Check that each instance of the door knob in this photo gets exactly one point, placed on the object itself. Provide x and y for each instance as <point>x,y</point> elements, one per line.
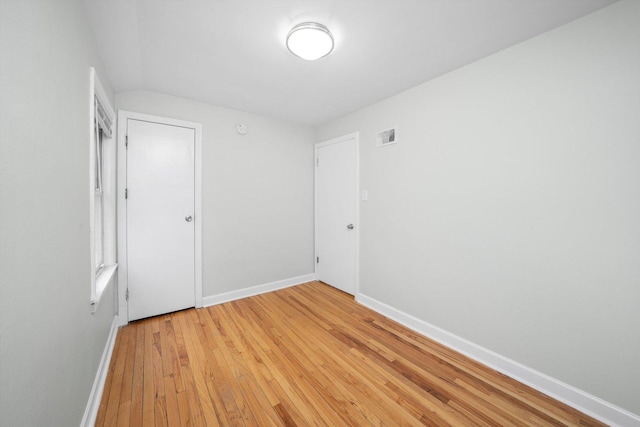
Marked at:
<point>188,218</point>
<point>350,227</point>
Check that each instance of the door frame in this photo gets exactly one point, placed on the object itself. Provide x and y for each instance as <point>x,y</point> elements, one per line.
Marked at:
<point>123,116</point>
<point>317,146</point>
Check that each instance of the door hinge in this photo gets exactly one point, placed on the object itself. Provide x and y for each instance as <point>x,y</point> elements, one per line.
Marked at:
<point>126,193</point>
<point>317,260</point>
<point>318,162</point>
<point>126,141</point>
<point>126,295</point>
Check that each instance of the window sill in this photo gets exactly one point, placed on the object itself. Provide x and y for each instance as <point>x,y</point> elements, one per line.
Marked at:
<point>102,282</point>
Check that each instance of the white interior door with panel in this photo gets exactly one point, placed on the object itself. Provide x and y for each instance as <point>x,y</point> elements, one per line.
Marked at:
<point>337,213</point>
<point>160,217</point>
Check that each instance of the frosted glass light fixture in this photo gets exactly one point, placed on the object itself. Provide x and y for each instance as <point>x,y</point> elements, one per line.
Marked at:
<point>310,41</point>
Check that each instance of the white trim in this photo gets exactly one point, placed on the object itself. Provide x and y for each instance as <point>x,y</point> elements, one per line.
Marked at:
<point>198,215</point>
<point>317,146</point>
<point>101,94</point>
<point>102,281</point>
<point>123,116</point>
<point>93,404</point>
<point>572,396</point>
<point>257,290</point>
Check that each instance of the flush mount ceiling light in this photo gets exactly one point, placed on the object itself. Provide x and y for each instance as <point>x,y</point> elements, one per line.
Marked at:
<point>310,41</point>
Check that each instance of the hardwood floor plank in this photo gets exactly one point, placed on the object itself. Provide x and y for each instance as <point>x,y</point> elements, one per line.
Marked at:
<point>111,416</point>
<point>160,404</point>
<point>124,410</point>
<point>168,364</point>
<point>451,373</point>
<point>348,407</point>
<point>254,393</point>
<point>220,375</point>
<point>200,413</point>
<point>137,382</point>
<point>288,378</point>
<point>365,376</point>
<point>301,356</point>
<point>352,342</point>
<point>148,397</point>
<point>104,402</point>
<point>485,378</point>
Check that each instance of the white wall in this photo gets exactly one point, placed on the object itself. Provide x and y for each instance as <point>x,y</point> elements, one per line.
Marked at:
<point>50,344</point>
<point>508,213</point>
<point>257,189</point>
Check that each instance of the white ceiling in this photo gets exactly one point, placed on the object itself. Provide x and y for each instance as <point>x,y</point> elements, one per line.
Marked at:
<point>231,53</point>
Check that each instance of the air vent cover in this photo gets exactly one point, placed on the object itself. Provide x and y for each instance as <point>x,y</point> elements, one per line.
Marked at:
<point>387,137</point>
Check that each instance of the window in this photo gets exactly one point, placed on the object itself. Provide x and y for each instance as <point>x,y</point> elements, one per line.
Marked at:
<point>102,200</point>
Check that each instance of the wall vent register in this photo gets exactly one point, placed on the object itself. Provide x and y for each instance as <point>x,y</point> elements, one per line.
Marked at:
<point>387,137</point>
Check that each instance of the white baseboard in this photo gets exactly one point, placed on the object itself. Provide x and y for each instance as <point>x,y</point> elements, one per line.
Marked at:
<point>582,401</point>
<point>91,411</point>
<point>256,290</point>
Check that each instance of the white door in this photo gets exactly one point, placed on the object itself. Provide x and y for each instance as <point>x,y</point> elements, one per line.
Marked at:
<point>337,213</point>
<point>160,208</point>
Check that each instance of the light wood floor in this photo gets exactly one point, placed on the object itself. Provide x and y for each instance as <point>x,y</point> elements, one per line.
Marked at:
<point>307,355</point>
